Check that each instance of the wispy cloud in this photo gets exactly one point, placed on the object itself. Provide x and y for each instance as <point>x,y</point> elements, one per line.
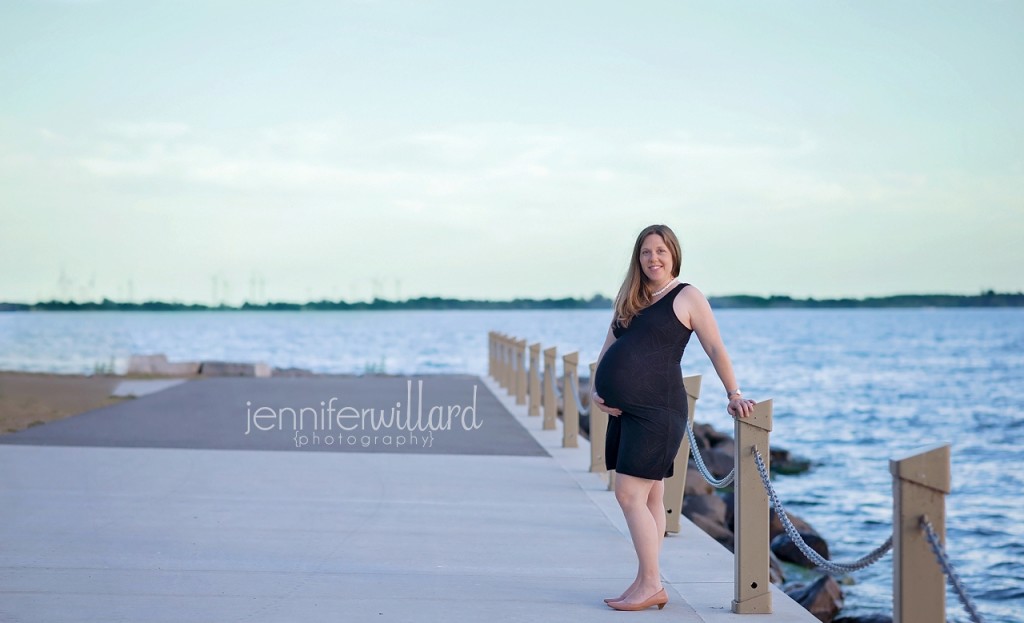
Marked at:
<point>149,130</point>
<point>499,165</point>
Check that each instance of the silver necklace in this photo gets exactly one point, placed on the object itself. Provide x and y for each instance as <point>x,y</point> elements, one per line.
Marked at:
<point>670,283</point>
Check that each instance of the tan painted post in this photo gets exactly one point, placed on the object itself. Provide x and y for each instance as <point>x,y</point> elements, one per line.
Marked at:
<point>498,357</point>
<point>533,383</point>
<point>521,372</point>
<point>510,374</point>
<point>674,486</point>
<point>510,365</point>
<point>752,587</point>
<point>496,374</point>
<point>550,399</point>
<point>570,415</point>
<point>513,365</point>
<point>490,354</point>
<point>500,360</point>
<point>920,483</point>
<point>496,338</point>
<point>513,378</point>
<point>598,428</point>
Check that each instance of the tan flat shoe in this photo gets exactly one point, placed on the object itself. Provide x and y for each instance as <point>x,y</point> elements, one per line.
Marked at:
<point>658,599</point>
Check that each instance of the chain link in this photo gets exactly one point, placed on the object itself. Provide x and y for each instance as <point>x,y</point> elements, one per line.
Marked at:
<point>701,467</point>
<point>831,567</point>
<point>554,381</point>
<point>575,393</point>
<point>947,567</point>
<point>576,396</point>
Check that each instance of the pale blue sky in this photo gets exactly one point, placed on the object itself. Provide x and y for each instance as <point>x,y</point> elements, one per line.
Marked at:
<point>485,150</point>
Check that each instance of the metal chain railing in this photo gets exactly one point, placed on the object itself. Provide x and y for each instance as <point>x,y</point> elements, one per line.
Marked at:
<point>947,568</point>
<point>830,566</point>
<point>579,405</point>
<point>701,467</point>
<point>554,382</point>
<point>575,394</point>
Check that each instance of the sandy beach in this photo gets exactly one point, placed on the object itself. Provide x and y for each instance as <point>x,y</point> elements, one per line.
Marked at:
<point>28,399</point>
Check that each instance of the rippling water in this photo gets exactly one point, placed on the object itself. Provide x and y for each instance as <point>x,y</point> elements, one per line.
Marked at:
<point>851,388</point>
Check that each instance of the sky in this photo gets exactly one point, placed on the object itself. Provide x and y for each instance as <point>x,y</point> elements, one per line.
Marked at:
<point>221,151</point>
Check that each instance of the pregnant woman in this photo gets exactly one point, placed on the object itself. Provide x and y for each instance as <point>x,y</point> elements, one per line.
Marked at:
<point>639,382</point>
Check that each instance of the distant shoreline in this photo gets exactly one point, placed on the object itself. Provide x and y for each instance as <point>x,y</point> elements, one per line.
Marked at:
<point>985,299</point>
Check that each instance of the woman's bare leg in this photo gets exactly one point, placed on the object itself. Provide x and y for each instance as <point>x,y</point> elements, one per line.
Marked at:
<point>646,531</point>
<point>656,506</point>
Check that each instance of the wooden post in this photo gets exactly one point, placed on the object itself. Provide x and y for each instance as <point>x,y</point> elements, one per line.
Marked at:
<point>533,385</point>
<point>675,485</point>
<point>514,359</point>
<point>920,483</point>
<point>521,372</point>
<point>570,415</point>
<point>550,399</point>
<point>500,360</point>
<point>490,354</point>
<point>752,587</point>
<point>510,365</point>
<point>598,428</point>
<point>497,356</point>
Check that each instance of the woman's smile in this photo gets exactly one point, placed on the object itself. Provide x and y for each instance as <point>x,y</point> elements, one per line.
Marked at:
<point>656,259</point>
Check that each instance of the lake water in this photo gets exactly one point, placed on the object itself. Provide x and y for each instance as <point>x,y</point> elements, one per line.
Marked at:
<point>851,388</point>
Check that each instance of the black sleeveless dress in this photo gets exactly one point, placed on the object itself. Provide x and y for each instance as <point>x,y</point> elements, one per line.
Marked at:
<point>640,375</point>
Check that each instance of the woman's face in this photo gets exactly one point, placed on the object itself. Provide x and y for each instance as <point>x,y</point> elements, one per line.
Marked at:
<point>656,259</point>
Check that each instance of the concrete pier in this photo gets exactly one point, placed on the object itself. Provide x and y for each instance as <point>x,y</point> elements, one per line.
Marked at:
<point>164,509</point>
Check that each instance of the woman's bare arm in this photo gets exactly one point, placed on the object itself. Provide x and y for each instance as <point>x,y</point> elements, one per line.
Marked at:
<point>692,309</point>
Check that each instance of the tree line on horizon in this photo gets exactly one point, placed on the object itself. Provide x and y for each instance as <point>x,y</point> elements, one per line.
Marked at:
<point>988,298</point>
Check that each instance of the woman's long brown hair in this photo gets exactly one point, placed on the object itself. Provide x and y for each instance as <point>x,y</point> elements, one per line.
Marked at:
<point>635,292</point>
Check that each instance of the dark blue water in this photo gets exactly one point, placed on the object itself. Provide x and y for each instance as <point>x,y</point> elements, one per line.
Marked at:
<point>851,389</point>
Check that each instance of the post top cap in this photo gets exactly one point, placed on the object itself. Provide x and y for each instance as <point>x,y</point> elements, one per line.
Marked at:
<point>760,418</point>
<point>692,385</point>
<point>927,466</point>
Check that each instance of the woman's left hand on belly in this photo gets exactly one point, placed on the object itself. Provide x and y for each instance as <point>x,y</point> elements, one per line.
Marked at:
<point>595,399</point>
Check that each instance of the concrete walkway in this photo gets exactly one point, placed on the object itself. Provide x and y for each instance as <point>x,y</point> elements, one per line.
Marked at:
<point>109,533</point>
<point>354,414</point>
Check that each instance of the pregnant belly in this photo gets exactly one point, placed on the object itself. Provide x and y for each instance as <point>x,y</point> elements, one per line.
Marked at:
<point>620,376</point>
<point>632,378</point>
